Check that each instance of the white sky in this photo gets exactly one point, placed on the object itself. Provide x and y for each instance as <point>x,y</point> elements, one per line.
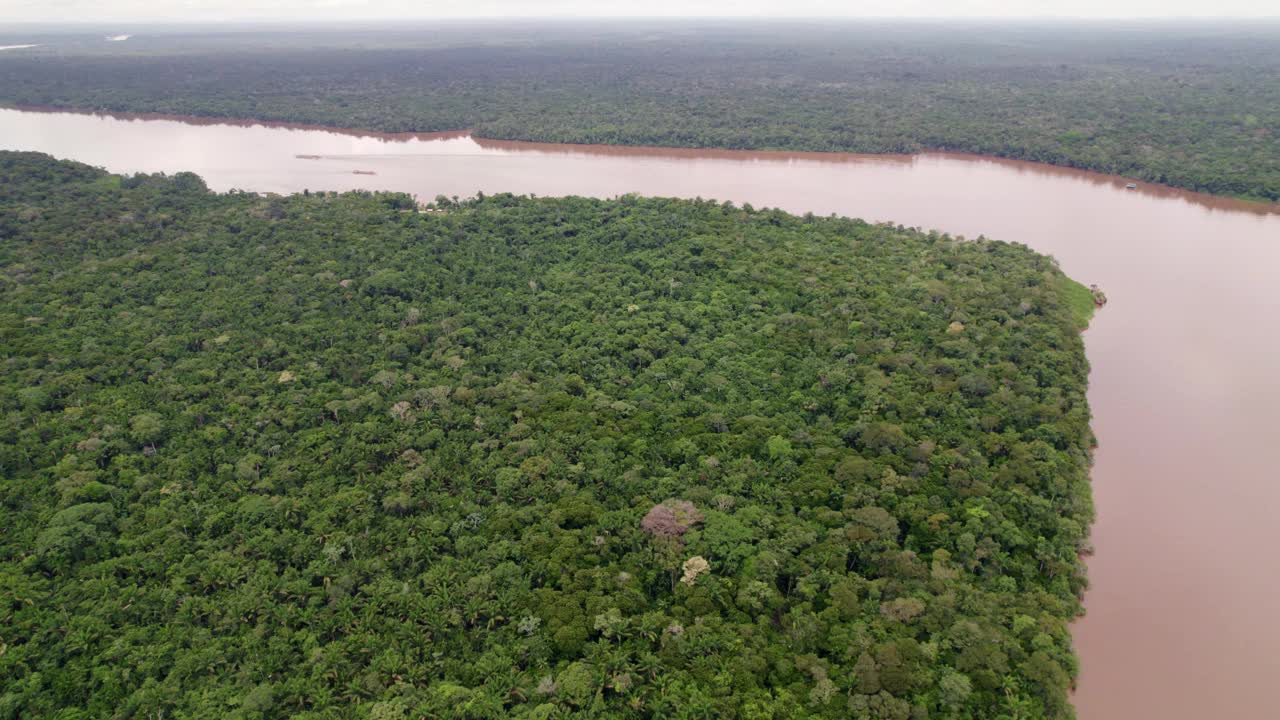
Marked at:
<point>224,10</point>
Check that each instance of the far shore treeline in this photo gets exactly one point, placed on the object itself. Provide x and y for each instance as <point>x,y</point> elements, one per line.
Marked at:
<point>329,456</point>
<point>1193,105</point>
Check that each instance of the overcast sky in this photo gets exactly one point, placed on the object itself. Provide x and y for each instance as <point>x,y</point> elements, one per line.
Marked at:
<point>169,10</point>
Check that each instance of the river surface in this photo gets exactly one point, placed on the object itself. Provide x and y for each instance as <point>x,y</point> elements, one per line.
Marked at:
<point>1182,615</point>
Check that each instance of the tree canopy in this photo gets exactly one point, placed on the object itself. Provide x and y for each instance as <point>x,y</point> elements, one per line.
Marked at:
<point>327,456</point>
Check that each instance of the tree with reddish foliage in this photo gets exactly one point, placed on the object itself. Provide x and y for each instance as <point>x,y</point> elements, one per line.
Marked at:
<point>671,518</point>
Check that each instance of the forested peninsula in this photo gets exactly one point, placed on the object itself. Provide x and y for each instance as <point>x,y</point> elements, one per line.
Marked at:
<point>1193,105</point>
<point>327,455</point>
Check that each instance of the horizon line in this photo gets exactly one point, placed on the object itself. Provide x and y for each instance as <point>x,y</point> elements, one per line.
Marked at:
<point>579,18</point>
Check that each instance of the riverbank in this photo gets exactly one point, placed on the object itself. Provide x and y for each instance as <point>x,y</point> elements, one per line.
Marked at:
<point>243,122</point>
<point>1223,202</point>
<point>1083,301</point>
<point>1079,96</point>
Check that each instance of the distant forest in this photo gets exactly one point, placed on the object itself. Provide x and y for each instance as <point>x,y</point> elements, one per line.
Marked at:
<point>327,456</point>
<point>1190,105</point>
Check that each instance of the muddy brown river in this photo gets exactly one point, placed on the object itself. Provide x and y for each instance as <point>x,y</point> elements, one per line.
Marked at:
<point>1182,612</point>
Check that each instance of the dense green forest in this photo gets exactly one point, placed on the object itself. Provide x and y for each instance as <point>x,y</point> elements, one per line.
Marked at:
<point>328,456</point>
<point>1191,105</point>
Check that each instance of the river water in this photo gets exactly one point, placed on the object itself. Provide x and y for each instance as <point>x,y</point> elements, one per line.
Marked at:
<point>1182,615</point>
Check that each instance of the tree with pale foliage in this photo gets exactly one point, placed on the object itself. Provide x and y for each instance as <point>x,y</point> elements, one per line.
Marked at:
<point>693,568</point>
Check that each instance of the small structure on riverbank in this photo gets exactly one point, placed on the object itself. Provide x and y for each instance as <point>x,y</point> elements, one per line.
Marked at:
<point>1099,297</point>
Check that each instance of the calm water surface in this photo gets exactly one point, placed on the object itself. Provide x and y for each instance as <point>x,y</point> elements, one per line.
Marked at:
<point>1185,389</point>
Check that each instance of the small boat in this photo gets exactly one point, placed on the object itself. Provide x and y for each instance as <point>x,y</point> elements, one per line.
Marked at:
<point>363,172</point>
<point>1131,186</point>
<point>307,157</point>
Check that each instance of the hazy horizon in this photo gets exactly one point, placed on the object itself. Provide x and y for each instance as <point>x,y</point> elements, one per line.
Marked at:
<point>88,12</point>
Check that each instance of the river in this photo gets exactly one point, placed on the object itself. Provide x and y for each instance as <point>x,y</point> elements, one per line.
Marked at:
<point>1185,386</point>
